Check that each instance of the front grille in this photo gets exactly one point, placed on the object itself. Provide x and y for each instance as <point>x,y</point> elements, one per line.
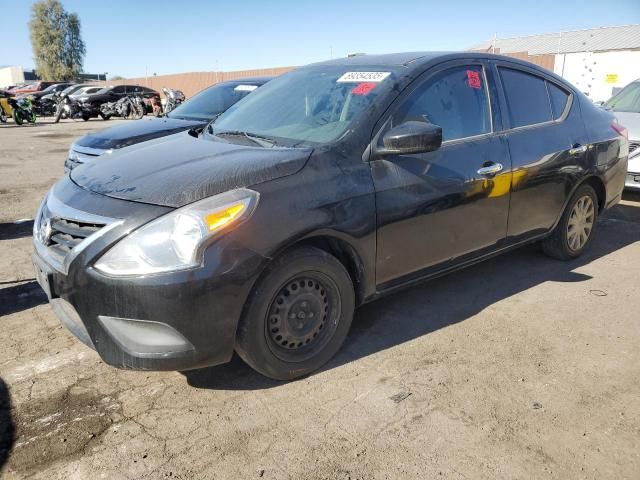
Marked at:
<point>66,234</point>
<point>61,232</point>
<point>633,146</point>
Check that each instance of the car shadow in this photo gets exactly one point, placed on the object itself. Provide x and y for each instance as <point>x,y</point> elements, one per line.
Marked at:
<point>12,230</point>
<point>7,428</point>
<point>438,303</point>
<point>22,296</point>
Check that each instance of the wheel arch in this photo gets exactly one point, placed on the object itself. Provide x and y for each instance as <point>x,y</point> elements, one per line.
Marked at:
<point>598,185</point>
<point>346,253</point>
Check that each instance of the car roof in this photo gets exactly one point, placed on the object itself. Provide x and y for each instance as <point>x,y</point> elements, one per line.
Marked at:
<point>387,59</point>
<point>260,80</point>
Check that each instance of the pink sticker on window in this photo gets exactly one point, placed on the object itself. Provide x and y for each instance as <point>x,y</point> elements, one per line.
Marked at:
<point>363,88</point>
<point>473,79</point>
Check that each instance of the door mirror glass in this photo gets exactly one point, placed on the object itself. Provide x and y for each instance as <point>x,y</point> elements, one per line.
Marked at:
<point>411,137</point>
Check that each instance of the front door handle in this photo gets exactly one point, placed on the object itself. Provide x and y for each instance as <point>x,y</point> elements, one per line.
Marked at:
<point>577,149</point>
<point>490,169</point>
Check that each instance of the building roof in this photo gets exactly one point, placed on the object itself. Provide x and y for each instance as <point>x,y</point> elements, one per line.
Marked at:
<point>624,37</point>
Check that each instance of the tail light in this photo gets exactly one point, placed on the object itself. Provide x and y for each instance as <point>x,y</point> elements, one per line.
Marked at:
<point>620,130</point>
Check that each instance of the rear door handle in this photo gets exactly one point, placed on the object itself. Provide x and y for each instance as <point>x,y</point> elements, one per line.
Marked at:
<point>577,149</point>
<point>491,169</point>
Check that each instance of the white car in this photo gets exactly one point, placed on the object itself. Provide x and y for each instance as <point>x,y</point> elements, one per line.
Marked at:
<point>626,105</point>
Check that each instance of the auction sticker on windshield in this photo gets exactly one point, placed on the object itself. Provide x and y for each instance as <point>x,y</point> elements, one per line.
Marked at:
<point>357,77</point>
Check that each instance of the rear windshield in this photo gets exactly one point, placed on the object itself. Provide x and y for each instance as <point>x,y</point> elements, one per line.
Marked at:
<point>311,105</point>
<point>211,102</point>
<point>627,100</point>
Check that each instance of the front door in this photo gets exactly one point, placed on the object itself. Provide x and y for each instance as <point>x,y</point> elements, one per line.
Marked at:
<point>438,208</point>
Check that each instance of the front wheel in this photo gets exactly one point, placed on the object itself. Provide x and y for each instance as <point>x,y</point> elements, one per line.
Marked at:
<point>297,316</point>
<point>17,116</point>
<point>574,231</point>
<point>3,116</point>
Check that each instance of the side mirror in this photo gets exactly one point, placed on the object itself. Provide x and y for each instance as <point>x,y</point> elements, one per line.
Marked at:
<point>411,137</point>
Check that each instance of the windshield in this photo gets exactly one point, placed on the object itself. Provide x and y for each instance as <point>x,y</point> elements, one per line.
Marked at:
<point>211,102</point>
<point>627,100</point>
<point>310,105</point>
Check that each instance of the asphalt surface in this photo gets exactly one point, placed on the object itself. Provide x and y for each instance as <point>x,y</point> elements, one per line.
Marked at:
<point>520,367</point>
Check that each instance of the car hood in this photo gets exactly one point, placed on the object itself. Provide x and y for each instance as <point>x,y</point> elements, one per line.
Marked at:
<point>176,170</point>
<point>631,121</point>
<point>131,133</point>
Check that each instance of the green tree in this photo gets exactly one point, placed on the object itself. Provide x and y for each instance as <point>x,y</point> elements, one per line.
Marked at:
<point>58,48</point>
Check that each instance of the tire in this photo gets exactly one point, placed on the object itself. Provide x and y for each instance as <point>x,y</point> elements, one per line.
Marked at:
<point>105,117</point>
<point>32,117</point>
<point>309,287</point>
<point>570,238</point>
<point>3,116</point>
<point>17,117</point>
<point>86,117</point>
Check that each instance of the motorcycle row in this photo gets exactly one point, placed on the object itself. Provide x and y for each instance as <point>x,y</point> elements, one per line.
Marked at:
<point>61,105</point>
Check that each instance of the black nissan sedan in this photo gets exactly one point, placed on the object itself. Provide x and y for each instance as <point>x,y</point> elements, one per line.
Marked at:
<point>328,187</point>
<point>194,113</point>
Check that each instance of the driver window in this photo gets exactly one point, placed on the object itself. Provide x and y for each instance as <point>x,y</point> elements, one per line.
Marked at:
<point>455,99</point>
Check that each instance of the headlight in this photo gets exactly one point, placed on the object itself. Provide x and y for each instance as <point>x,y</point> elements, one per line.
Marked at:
<point>176,240</point>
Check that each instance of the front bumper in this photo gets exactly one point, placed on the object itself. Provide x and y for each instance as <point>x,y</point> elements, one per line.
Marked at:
<point>173,321</point>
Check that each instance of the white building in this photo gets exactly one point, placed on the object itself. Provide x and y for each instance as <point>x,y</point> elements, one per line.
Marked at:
<point>598,61</point>
<point>11,75</point>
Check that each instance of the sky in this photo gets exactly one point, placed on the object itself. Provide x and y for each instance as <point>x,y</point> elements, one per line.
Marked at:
<point>138,37</point>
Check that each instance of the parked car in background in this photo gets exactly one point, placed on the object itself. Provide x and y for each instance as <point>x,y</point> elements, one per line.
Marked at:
<point>43,101</point>
<point>626,106</point>
<point>193,113</point>
<point>55,88</point>
<point>115,93</point>
<point>86,90</point>
<point>31,87</point>
<point>328,187</point>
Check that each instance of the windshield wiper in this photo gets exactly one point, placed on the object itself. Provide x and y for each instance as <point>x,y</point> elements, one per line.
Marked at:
<point>261,140</point>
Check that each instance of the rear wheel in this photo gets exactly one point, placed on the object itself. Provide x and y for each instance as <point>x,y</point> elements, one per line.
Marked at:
<point>3,115</point>
<point>297,316</point>
<point>574,231</point>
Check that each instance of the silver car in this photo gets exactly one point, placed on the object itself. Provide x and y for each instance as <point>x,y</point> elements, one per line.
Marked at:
<point>626,105</point>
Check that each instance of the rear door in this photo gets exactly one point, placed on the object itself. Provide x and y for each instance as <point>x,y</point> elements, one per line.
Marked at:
<point>548,146</point>
<point>438,208</point>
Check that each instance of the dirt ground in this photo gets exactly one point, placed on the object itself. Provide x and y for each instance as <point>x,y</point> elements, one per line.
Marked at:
<point>521,367</point>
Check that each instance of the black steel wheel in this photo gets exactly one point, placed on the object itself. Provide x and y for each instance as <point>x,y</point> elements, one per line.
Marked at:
<point>303,316</point>
<point>298,314</point>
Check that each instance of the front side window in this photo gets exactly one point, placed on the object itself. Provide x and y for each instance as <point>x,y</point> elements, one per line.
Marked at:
<point>311,105</point>
<point>455,99</point>
<point>527,98</point>
<point>119,89</point>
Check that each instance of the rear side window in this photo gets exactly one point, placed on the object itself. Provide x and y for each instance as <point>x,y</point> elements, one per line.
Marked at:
<point>455,99</point>
<point>527,98</point>
<point>559,99</point>
<point>119,89</point>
